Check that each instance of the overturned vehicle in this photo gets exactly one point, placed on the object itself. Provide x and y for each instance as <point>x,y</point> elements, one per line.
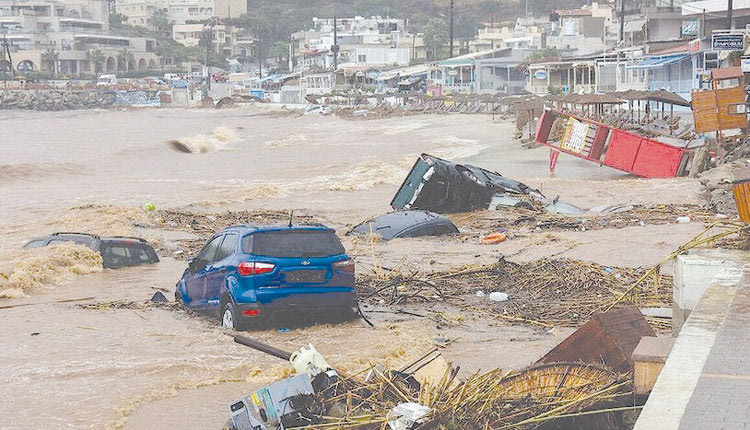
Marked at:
<point>440,186</point>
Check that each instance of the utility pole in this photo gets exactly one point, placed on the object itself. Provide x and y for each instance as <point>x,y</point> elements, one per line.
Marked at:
<point>209,41</point>
<point>451,31</point>
<point>703,24</point>
<point>622,21</point>
<point>730,25</point>
<point>260,57</point>
<point>335,47</point>
<point>260,45</point>
<point>9,64</point>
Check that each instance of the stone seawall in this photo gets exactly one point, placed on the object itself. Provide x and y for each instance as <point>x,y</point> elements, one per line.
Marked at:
<point>68,99</point>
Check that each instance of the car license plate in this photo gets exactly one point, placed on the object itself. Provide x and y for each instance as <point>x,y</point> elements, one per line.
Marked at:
<point>305,276</point>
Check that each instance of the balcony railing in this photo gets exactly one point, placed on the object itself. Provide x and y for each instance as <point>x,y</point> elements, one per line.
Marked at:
<point>638,85</point>
<point>676,86</point>
<point>458,88</point>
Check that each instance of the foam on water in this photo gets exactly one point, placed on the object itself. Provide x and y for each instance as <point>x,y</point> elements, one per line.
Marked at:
<point>53,265</point>
<point>291,140</point>
<point>221,138</point>
<point>358,177</point>
<point>455,148</point>
<point>37,170</point>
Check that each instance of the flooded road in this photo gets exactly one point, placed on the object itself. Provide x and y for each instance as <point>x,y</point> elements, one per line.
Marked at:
<point>53,161</point>
<point>81,350</point>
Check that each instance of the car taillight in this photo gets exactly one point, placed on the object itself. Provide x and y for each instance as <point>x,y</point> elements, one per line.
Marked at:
<point>346,266</point>
<point>249,268</point>
<point>250,312</point>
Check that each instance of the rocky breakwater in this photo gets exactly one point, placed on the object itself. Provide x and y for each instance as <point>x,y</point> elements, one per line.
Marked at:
<point>55,99</point>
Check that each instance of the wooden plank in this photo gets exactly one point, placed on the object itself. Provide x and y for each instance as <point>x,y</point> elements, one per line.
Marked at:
<point>607,338</point>
<point>727,101</point>
<point>705,115</point>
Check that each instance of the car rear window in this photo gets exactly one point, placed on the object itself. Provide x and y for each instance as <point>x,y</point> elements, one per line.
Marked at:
<point>123,255</point>
<point>293,243</point>
<point>34,244</point>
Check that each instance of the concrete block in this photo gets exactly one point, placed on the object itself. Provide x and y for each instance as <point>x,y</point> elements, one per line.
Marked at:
<point>648,360</point>
<point>694,272</point>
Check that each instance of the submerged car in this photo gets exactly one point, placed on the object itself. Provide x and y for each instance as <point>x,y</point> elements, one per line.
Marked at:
<point>116,251</point>
<point>399,224</point>
<point>254,273</point>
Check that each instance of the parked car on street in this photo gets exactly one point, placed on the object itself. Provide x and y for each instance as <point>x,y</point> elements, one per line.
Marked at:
<point>106,80</point>
<point>116,251</point>
<point>251,273</point>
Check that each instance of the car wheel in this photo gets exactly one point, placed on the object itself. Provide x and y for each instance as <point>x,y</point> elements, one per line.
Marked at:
<point>229,317</point>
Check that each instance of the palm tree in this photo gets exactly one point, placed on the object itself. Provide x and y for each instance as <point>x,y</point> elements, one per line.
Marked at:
<point>125,57</point>
<point>96,58</point>
<point>159,22</point>
<point>51,57</point>
<point>435,35</point>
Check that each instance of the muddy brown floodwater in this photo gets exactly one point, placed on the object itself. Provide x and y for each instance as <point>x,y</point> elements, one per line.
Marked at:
<point>81,350</point>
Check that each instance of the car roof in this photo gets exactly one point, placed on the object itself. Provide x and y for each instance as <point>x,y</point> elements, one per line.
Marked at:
<point>123,239</point>
<point>68,236</point>
<point>253,228</point>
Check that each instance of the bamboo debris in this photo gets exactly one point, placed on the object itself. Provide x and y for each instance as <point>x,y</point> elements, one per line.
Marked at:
<point>491,400</point>
<point>544,293</point>
<point>547,292</point>
<point>695,242</point>
<point>520,219</point>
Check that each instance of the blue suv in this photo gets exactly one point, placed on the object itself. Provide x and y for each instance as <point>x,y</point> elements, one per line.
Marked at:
<point>248,273</point>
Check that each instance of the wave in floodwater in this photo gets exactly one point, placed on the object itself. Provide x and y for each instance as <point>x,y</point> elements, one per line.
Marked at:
<point>9,172</point>
<point>31,269</point>
<point>455,149</point>
<point>357,177</point>
<point>221,139</point>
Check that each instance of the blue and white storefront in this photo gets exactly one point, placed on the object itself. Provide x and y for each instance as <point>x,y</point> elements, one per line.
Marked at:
<point>680,73</point>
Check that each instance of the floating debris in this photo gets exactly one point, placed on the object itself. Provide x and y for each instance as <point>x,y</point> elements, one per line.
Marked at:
<point>546,292</point>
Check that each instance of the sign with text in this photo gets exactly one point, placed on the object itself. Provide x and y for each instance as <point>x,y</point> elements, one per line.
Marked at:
<point>723,40</point>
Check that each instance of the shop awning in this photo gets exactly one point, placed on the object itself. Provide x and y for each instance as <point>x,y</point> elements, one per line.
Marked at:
<point>650,63</point>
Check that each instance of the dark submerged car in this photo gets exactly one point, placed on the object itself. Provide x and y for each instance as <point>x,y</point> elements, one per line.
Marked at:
<point>116,251</point>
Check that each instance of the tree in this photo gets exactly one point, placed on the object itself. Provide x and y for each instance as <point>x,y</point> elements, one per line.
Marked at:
<point>117,20</point>
<point>159,22</point>
<point>50,57</point>
<point>492,9</point>
<point>435,35</point>
<point>280,51</point>
<point>125,57</point>
<point>96,60</point>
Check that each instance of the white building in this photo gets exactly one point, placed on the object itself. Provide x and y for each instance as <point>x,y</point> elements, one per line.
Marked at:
<point>70,37</point>
<point>363,42</point>
<point>138,12</point>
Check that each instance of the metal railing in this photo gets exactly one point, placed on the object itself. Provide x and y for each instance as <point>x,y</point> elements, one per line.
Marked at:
<point>459,88</point>
<point>677,86</point>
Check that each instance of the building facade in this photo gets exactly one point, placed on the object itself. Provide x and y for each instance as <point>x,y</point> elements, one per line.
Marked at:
<point>139,12</point>
<point>70,37</point>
